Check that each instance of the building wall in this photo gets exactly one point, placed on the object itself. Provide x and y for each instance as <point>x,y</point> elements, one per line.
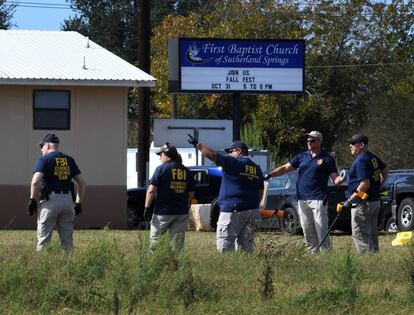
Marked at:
<point>97,140</point>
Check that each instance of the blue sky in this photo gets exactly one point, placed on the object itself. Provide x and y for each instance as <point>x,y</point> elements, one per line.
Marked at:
<point>46,14</point>
<point>40,14</point>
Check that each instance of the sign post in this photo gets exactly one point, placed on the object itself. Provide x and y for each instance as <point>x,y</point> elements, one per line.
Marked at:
<point>236,116</point>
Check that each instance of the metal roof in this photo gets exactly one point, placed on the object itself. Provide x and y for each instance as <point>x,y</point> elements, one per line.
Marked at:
<point>63,58</point>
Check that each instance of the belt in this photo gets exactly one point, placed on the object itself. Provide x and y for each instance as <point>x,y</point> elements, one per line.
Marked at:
<point>59,191</point>
<point>236,208</point>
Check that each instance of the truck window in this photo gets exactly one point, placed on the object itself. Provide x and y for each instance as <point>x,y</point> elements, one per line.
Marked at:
<point>200,177</point>
<point>279,182</point>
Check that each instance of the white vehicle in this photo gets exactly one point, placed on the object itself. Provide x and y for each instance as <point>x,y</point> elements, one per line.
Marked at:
<point>190,158</point>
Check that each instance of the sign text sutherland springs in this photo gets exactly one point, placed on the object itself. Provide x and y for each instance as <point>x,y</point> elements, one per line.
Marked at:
<point>244,66</point>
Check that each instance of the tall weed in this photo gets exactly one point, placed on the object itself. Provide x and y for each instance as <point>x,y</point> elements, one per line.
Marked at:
<point>408,267</point>
<point>13,276</point>
<point>148,267</point>
<point>341,294</point>
<point>116,272</point>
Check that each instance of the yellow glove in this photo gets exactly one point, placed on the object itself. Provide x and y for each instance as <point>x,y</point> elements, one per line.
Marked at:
<point>346,205</point>
<point>361,194</point>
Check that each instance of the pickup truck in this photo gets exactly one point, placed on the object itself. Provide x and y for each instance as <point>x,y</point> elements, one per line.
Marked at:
<point>400,189</point>
<point>396,213</point>
<point>207,181</point>
<point>281,196</point>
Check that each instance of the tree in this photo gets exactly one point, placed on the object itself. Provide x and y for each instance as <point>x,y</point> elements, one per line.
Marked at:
<point>356,52</point>
<point>389,126</point>
<point>110,23</point>
<point>347,42</point>
<point>6,14</point>
<point>113,24</point>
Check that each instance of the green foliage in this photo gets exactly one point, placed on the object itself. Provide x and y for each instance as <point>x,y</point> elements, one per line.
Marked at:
<point>388,126</point>
<point>342,295</point>
<point>110,23</point>
<point>116,272</point>
<point>114,23</point>
<point>357,53</point>
<point>250,134</point>
<point>409,268</point>
<point>266,282</point>
<point>6,13</point>
<point>147,268</point>
<point>391,122</point>
<point>13,276</point>
<point>184,286</point>
<point>345,47</point>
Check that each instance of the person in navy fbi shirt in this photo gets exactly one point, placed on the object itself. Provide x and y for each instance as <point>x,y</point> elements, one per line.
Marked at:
<point>315,167</point>
<point>172,187</point>
<point>240,193</point>
<point>366,176</point>
<point>52,180</point>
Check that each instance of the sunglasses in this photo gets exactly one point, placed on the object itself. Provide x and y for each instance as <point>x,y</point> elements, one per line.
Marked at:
<point>311,141</point>
<point>232,150</point>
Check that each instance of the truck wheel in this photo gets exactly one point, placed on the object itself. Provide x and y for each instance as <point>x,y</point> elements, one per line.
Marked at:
<point>391,226</point>
<point>214,214</point>
<point>405,214</point>
<point>132,217</point>
<point>290,222</point>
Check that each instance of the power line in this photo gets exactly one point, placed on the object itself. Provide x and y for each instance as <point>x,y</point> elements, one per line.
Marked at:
<point>40,5</point>
<point>363,65</point>
<point>54,5</point>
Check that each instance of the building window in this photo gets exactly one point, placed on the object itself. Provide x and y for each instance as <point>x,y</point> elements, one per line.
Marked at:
<point>51,110</point>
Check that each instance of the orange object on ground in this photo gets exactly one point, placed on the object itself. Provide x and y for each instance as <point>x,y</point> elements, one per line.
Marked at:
<point>265,213</point>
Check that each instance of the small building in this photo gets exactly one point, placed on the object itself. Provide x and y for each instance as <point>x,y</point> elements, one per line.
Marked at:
<point>65,83</point>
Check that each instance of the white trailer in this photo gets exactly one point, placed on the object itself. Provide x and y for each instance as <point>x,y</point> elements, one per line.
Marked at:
<point>217,134</point>
<point>189,157</point>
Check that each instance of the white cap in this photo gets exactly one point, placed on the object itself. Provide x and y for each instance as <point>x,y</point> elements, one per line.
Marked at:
<point>315,134</point>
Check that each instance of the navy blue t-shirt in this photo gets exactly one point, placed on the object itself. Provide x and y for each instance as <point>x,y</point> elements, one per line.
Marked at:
<point>58,170</point>
<point>313,175</point>
<point>174,182</point>
<point>366,166</point>
<point>240,184</point>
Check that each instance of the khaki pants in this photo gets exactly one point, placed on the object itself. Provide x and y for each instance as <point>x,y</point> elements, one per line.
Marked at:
<point>313,215</point>
<point>364,221</point>
<point>237,230</point>
<point>56,212</point>
<point>175,224</point>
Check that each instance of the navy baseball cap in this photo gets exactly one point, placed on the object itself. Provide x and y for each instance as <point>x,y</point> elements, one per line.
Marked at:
<point>49,138</point>
<point>169,150</point>
<point>358,138</point>
<point>237,145</point>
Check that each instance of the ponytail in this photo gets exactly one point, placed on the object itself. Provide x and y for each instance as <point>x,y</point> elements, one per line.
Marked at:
<point>178,159</point>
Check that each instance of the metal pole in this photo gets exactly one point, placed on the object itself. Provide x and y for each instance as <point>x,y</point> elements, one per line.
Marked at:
<point>174,106</point>
<point>236,116</point>
<point>327,233</point>
<point>143,99</point>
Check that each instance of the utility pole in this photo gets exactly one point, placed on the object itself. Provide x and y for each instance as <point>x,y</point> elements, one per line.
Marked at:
<point>236,116</point>
<point>143,99</point>
<point>174,111</point>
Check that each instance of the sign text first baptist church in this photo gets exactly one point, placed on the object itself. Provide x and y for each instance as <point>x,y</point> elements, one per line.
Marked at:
<point>243,66</point>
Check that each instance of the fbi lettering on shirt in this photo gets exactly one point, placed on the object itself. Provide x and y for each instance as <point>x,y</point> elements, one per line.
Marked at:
<point>178,180</point>
<point>250,171</point>
<point>377,172</point>
<point>62,168</point>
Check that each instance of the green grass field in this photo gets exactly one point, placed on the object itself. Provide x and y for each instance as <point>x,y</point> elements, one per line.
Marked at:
<point>114,272</point>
